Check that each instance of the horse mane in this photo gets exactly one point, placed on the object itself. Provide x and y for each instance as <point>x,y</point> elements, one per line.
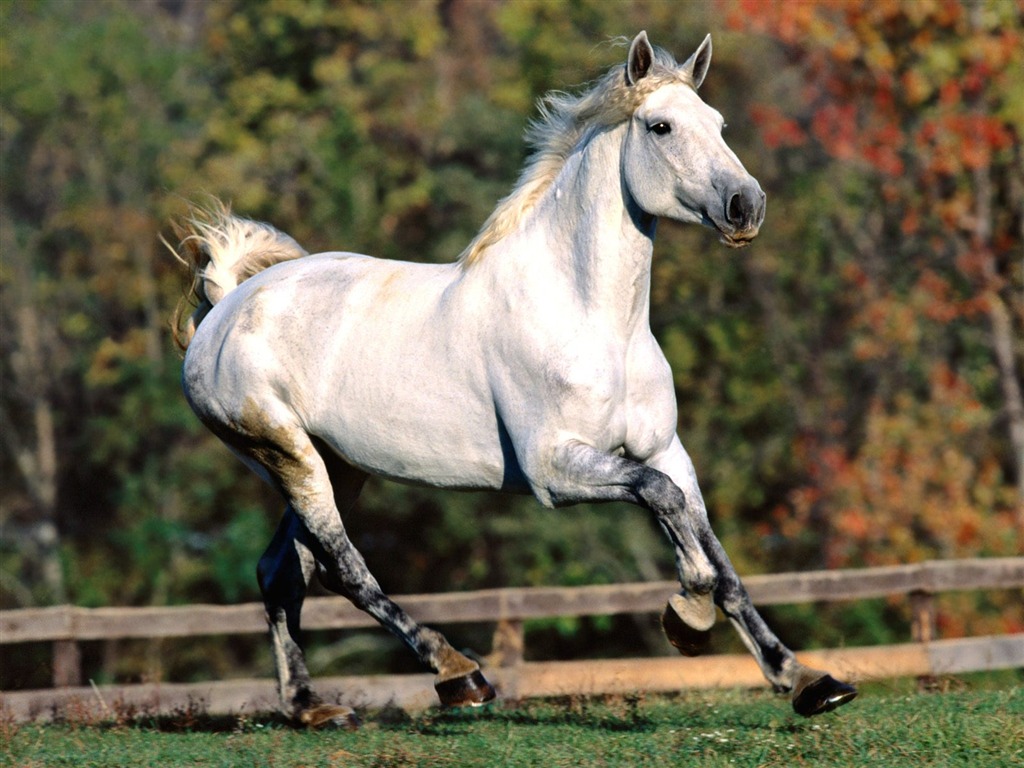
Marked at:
<point>565,120</point>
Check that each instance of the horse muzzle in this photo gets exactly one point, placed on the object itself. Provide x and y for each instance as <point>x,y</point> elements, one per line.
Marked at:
<point>744,208</point>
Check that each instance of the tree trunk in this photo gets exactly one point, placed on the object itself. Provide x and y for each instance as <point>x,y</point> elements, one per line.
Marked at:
<point>26,415</point>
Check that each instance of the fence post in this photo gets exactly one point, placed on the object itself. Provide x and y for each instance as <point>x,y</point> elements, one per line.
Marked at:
<point>923,627</point>
<point>67,664</point>
<point>508,643</point>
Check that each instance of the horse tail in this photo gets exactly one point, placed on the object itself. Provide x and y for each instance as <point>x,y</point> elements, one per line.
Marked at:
<point>221,251</point>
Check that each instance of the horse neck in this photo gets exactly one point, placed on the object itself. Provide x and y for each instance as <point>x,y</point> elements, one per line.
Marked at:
<point>600,243</point>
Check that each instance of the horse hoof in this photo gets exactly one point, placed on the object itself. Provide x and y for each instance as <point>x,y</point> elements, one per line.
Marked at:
<point>823,695</point>
<point>687,622</point>
<point>329,716</point>
<point>471,690</point>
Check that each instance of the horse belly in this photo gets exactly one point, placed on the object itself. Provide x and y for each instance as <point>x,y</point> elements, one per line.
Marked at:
<point>409,409</point>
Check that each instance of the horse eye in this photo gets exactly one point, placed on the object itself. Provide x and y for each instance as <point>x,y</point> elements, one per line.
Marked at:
<point>661,128</point>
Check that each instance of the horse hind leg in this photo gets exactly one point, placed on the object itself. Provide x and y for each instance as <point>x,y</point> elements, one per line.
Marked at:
<point>459,680</point>
<point>299,467</point>
<point>342,569</point>
<point>283,572</point>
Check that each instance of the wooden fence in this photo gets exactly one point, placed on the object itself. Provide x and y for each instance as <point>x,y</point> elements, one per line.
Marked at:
<point>925,655</point>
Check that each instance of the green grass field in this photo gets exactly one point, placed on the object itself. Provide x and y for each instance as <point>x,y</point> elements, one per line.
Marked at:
<point>969,724</point>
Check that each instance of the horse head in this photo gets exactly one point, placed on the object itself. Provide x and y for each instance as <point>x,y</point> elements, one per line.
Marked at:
<point>675,161</point>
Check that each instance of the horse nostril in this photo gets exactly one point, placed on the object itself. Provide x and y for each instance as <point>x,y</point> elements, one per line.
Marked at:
<point>745,209</point>
<point>737,210</point>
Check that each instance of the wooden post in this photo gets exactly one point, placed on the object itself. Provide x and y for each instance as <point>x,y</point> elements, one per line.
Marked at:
<point>923,628</point>
<point>508,644</point>
<point>507,655</point>
<point>67,664</point>
<point>922,606</point>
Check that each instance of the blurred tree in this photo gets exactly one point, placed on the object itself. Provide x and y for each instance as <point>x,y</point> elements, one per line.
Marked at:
<point>93,417</point>
<point>906,123</point>
<point>849,386</point>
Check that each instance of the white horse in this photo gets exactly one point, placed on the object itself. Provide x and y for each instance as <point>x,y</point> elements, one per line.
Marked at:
<point>526,366</point>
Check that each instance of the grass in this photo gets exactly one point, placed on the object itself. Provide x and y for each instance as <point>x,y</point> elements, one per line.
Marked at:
<point>967,724</point>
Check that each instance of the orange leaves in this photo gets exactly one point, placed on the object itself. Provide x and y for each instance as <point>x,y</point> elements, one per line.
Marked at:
<point>790,22</point>
<point>920,485</point>
<point>885,327</point>
<point>950,143</point>
<point>939,305</point>
<point>883,77</point>
<point>908,117</point>
<point>854,524</point>
<point>915,87</point>
<point>910,490</point>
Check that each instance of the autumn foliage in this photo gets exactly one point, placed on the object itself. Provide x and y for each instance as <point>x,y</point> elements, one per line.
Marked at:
<point>915,111</point>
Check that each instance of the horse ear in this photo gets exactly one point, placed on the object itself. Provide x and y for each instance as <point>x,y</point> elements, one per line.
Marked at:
<point>641,56</point>
<point>697,65</point>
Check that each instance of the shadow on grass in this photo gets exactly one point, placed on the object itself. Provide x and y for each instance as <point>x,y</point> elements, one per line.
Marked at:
<point>750,710</point>
<point>623,714</point>
<point>609,714</point>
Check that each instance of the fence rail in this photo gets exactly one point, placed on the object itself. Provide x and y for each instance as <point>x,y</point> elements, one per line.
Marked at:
<point>66,626</point>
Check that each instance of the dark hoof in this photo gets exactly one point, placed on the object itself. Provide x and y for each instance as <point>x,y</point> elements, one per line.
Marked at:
<point>470,690</point>
<point>687,639</point>
<point>823,695</point>
<point>329,716</point>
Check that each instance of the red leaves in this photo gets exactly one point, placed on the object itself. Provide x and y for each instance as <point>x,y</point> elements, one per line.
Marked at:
<point>910,490</point>
<point>950,143</point>
<point>834,126</point>
<point>910,112</point>
<point>881,77</point>
<point>777,130</point>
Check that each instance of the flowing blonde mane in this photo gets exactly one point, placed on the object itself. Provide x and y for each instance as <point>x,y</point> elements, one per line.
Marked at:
<point>564,121</point>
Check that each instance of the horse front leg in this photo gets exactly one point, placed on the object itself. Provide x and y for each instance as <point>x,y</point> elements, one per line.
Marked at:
<point>813,691</point>
<point>583,473</point>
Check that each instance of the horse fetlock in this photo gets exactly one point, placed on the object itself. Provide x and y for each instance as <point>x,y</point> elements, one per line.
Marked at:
<point>703,585</point>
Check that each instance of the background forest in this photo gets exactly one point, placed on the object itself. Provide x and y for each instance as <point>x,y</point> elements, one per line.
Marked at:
<point>849,386</point>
